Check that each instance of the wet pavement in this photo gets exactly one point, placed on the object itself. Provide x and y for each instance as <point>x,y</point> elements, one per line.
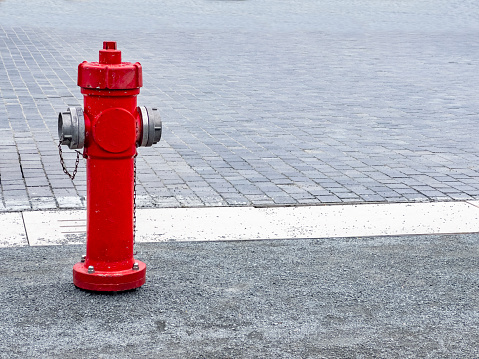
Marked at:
<point>263,104</point>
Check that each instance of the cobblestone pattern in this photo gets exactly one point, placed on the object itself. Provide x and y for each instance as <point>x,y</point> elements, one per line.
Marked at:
<point>283,103</point>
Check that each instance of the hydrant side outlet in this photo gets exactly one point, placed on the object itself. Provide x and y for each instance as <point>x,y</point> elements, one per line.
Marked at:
<point>71,128</point>
<point>109,129</point>
<point>152,126</point>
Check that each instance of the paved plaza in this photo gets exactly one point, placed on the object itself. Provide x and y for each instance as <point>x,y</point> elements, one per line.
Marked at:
<point>291,103</point>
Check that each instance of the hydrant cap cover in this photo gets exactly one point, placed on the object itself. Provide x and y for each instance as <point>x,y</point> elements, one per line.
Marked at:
<point>110,73</point>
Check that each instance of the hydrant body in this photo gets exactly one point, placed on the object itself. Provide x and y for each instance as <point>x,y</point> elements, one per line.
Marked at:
<point>110,127</point>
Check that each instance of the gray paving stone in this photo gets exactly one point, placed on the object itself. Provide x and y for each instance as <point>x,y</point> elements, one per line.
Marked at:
<point>39,203</point>
<point>284,200</point>
<point>329,199</point>
<point>385,113</point>
<point>70,202</point>
<point>236,200</point>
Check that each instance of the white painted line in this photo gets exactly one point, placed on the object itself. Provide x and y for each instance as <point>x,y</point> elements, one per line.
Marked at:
<point>240,223</point>
<point>245,223</point>
<point>12,230</point>
<point>46,228</point>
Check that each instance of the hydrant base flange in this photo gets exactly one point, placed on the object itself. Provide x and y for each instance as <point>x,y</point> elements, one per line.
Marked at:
<point>105,281</point>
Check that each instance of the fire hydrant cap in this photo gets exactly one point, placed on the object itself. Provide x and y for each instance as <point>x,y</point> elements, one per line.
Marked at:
<point>109,72</point>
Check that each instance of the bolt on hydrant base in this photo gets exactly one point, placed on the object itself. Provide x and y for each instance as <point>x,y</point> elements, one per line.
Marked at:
<point>109,128</point>
<point>109,281</point>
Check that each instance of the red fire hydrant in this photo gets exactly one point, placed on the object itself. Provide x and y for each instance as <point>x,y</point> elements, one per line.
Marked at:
<point>110,128</point>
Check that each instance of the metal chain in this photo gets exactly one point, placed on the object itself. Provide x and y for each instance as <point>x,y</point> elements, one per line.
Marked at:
<point>134,200</point>
<point>62,162</point>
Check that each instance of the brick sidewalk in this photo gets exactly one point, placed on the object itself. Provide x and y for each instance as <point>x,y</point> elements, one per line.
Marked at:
<point>262,104</point>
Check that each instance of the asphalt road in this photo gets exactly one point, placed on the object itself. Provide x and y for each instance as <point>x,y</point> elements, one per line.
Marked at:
<point>381,297</point>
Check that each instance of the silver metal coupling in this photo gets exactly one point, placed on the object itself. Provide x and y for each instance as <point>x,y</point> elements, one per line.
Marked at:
<point>71,128</point>
<point>151,126</point>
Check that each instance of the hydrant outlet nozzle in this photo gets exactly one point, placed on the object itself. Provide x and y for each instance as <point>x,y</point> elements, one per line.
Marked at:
<point>71,128</point>
<point>151,126</point>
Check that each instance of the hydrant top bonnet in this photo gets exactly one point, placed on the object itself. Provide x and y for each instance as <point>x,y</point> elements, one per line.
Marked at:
<point>110,73</point>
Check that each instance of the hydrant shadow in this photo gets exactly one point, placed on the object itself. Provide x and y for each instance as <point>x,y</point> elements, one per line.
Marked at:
<point>107,293</point>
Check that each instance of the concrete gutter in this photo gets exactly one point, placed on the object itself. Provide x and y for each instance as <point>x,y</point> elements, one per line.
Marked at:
<point>37,228</point>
